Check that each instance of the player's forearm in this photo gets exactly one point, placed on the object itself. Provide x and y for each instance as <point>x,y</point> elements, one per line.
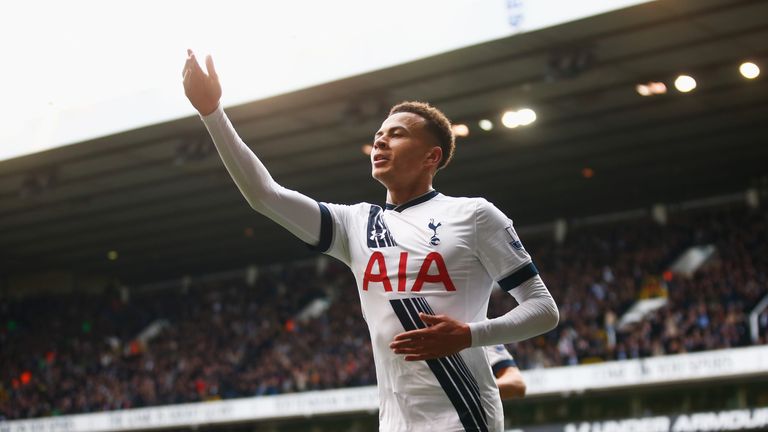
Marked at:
<point>297,213</point>
<point>511,384</point>
<point>249,174</point>
<point>536,314</point>
<point>511,391</point>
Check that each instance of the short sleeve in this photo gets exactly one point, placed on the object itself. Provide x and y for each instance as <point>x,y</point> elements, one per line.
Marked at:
<point>499,358</point>
<point>336,223</point>
<point>499,248</point>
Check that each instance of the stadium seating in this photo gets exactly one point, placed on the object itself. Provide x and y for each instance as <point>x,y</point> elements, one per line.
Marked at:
<point>229,338</point>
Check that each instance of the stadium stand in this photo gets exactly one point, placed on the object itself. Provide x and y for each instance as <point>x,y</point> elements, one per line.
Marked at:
<point>599,273</point>
<point>228,338</point>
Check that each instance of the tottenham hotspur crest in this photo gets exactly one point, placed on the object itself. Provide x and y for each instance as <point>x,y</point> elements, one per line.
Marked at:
<point>434,241</point>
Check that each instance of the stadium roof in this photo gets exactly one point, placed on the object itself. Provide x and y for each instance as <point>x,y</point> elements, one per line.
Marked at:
<point>165,203</point>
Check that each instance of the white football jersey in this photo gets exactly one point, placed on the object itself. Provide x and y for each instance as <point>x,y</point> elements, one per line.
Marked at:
<point>437,255</point>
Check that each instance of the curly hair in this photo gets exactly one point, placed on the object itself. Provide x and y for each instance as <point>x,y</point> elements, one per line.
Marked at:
<point>437,124</point>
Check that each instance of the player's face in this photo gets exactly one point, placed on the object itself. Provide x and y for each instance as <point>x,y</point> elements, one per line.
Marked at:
<point>403,150</point>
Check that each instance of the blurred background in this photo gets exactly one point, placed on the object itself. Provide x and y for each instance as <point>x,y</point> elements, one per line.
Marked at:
<point>139,291</point>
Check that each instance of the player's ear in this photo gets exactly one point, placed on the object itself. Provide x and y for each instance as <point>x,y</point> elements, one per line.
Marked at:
<point>434,156</point>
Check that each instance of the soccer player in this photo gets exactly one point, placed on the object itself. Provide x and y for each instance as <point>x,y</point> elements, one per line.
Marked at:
<point>424,264</point>
<point>508,378</point>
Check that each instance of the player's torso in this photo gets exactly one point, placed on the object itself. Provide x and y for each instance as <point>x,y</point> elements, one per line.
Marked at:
<point>421,259</point>
<point>425,251</point>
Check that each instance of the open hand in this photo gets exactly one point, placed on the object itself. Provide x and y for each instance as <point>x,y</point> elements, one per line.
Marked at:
<point>443,336</point>
<point>203,90</point>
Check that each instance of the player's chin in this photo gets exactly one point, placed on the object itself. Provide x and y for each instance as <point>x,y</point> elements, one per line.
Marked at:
<point>379,173</point>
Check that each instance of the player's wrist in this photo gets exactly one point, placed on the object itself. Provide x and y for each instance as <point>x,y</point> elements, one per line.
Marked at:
<point>207,109</point>
<point>466,334</point>
<point>474,333</point>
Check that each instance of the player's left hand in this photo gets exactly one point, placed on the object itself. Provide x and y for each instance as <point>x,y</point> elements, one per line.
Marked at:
<point>203,90</point>
<point>442,337</point>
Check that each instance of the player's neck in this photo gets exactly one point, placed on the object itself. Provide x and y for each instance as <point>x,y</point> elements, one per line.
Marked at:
<point>402,195</point>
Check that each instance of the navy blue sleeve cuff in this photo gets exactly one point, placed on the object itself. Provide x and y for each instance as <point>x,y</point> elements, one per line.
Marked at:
<point>501,365</point>
<point>518,277</point>
<point>326,230</point>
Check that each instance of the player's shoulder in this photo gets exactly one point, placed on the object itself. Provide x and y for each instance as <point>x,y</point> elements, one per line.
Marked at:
<point>477,205</point>
<point>467,202</point>
<point>350,208</point>
<point>497,353</point>
<point>347,214</point>
<point>499,349</point>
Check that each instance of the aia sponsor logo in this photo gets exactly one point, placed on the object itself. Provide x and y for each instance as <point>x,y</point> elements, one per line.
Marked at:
<point>376,273</point>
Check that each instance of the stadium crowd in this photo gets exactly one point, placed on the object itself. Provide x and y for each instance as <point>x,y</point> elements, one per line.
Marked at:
<point>230,338</point>
<point>599,273</point>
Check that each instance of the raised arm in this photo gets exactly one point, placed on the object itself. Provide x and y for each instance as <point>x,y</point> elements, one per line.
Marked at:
<point>297,213</point>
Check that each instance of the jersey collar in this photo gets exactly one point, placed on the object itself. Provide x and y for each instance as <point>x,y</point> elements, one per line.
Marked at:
<point>416,201</point>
